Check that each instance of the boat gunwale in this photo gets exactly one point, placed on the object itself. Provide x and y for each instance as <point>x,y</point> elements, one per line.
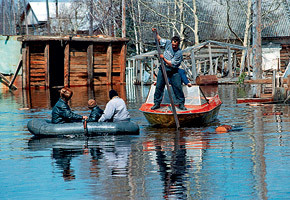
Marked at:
<point>181,113</point>
<point>189,112</point>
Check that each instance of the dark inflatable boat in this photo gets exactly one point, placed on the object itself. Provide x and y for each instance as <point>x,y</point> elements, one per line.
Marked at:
<point>44,128</point>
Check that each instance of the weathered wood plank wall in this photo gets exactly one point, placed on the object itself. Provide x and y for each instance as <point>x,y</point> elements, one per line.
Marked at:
<point>284,56</point>
<point>85,62</point>
<point>37,63</point>
<point>78,64</point>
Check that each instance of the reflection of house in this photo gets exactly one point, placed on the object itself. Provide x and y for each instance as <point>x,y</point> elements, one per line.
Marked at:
<point>51,61</point>
<point>64,17</point>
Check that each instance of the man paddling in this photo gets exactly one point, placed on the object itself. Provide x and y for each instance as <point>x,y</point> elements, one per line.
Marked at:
<point>172,58</point>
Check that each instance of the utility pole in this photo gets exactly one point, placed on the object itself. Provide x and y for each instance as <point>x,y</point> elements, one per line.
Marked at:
<point>257,45</point>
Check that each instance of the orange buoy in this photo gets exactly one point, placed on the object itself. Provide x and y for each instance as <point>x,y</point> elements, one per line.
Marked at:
<point>223,129</point>
<point>273,113</point>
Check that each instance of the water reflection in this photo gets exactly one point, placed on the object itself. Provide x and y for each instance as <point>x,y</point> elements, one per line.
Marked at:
<point>42,98</point>
<point>195,163</point>
<point>177,154</point>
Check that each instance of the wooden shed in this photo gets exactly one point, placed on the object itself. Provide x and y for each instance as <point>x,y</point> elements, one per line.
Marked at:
<point>54,61</point>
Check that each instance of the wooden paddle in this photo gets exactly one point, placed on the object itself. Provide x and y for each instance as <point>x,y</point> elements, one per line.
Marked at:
<point>166,80</point>
<point>86,132</point>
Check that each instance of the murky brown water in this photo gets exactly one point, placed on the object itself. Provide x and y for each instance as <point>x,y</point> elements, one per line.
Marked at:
<point>251,162</point>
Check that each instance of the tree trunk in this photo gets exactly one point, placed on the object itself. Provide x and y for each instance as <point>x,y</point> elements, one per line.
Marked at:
<point>246,35</point>
<point>181,18</point>
<point>139,28</point>
<point>196,38</point>
<point>25,17</point>
<point>48,20</point>
<point>135,28</point>
<point>123,18</point>
<point>257,44</point>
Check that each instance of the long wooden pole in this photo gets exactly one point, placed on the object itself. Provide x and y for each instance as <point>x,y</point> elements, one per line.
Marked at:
<point>166,81</point>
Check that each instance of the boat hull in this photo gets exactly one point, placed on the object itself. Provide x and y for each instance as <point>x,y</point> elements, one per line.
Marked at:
<point>43,128</point>
<point>195,115</point>
<point>185,120</point>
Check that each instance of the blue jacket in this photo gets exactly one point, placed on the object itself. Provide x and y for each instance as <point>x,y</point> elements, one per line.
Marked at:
<point>95,115</point>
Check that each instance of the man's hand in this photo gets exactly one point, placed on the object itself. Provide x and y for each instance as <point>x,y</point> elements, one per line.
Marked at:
<point>161,56</point>
<point>85,117</point>
<point>154,29</point>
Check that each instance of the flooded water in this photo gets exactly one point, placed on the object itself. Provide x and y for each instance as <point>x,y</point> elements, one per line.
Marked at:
<point>250,162</point>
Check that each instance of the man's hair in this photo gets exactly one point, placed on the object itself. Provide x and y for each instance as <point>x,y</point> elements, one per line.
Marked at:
<point>176,39</point>
<point>66,93</point>
<point>92,103</point>
<point>113,93</point>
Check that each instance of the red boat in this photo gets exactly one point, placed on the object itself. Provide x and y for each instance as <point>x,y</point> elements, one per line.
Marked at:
<point>200,109</point>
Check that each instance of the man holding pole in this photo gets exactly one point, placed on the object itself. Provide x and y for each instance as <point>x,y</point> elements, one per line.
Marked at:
<point>172,58</point>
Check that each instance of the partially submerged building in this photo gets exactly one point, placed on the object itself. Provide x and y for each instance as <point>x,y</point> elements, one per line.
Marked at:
<point>54,61</point>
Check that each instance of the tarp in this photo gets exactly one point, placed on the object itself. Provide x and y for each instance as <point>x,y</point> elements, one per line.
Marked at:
<point>10,53</point>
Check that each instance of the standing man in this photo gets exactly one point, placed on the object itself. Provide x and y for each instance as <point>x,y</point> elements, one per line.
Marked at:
<point>172,58</point>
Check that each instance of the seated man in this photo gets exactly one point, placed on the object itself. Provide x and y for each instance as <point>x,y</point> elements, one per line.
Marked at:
<point>96,112</point>
<point>61,111</point>
<point>115,110</point>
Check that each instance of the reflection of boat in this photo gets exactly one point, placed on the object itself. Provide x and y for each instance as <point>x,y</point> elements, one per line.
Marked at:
<point>43,128</point>
<point>200,110</point>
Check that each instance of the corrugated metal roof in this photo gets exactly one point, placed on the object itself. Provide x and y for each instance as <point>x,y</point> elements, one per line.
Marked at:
<point>213,19</point>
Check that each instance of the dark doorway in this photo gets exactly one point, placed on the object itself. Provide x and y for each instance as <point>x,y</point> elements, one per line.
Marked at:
<point>56,64</point>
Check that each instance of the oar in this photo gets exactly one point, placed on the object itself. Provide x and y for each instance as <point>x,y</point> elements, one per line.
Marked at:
<point>166,81</point>
<point>86,131</point>
<point>203,94</point>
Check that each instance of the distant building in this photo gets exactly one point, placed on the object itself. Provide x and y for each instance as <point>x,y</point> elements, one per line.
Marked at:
<point>64,17</point>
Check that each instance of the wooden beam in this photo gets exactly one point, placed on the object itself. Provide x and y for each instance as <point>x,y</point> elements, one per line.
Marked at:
<point>230,68</point>
<point>95,39</point>
<point>210,60</point>
<point>27,67</point>
<point>193,65</point>
<point>16,72</point>
<point>46,59</point>
<point>152,70</point>
<point>235,64</point>
<point>109,63</point>
<point>6,82</point>
<point>274,83</point>
<point>263,81</point>
<point>90,64</point>
<point>123,64</point>
<point>24,63</point>
<point>66,65</point>
<point>216,65</point>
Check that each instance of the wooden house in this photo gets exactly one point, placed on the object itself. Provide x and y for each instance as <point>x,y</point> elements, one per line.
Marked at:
<point>55,61</point>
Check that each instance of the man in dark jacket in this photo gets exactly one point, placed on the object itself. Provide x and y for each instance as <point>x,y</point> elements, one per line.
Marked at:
<point>96,112</point>
<point>61,112</point>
